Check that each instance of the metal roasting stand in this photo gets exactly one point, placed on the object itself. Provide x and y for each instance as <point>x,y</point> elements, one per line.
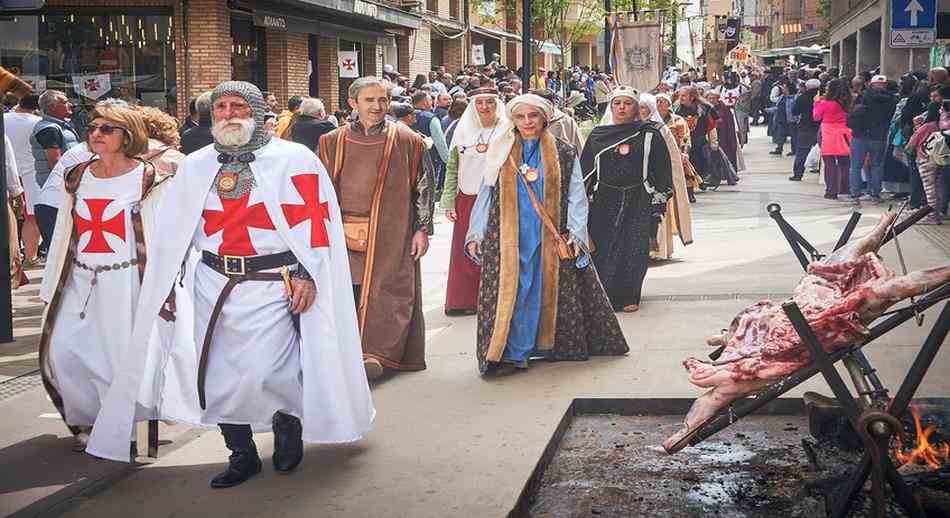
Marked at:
<point>872,414</point>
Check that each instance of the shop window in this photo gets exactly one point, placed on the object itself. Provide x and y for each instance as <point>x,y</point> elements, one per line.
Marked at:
<point>943,25</point>
<point>93,55</point>
<point>313,53</point>
<point>248,52</point>
<point>437,55</point>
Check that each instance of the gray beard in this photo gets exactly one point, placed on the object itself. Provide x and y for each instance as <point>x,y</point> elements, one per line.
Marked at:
<point>231,136</point>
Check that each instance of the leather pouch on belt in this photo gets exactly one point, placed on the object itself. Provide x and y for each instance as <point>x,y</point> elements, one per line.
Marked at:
<point>356,230</point>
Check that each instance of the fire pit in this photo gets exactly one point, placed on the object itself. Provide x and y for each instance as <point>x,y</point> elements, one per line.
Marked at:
<point>605,459</point>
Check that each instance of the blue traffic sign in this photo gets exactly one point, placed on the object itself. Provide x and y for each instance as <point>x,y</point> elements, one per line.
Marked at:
<point>913,14</point>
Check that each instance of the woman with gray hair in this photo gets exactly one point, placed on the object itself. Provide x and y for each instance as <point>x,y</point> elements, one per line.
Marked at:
<point>311,124</point>
<point>539,296</point>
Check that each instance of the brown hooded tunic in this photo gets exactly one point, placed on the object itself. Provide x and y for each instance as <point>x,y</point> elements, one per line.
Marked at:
<point>386,278</point>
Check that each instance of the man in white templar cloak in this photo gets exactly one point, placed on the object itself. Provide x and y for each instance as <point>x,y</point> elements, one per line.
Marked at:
<point>249,217</point>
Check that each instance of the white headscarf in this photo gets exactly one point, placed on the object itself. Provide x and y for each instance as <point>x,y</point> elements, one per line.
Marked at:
<point>500,149</point>
<point>649,101</point>
<point>537,101</point>
<point>469,127</point>
<point>620,91</point>
<point>469,132</point>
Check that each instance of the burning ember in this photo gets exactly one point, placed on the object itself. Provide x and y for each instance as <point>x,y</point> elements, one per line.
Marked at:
<point>933,455</point>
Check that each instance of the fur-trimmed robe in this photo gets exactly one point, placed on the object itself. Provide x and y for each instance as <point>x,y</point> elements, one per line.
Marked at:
<point>576,318</point>
<point>678,219</point>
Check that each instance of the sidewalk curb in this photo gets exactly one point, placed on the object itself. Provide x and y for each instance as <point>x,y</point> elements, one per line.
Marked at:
<point>73,495</point>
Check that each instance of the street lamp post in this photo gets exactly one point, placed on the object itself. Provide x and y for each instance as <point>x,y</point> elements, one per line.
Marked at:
<point>526,45</point>
<point>607,36</point>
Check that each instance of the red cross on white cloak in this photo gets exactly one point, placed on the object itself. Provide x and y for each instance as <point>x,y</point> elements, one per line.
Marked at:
<point>308,186</point>
<point>235,219</point>
<point>97,240</point>
<point>348,64</point>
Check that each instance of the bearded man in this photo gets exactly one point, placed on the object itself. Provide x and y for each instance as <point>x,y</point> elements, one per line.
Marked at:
<point>386,197</point>
<point>268,303</point>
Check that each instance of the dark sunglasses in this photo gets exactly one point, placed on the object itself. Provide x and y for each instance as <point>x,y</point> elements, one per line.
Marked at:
<point>105,129</point>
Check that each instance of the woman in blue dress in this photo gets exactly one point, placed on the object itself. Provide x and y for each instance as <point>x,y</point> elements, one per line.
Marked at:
<point>539,296</point>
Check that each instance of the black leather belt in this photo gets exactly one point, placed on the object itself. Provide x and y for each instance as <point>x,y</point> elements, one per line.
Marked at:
<point>238,265</point>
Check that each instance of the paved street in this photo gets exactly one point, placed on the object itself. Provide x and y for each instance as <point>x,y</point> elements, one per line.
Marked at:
<point>448,442</point>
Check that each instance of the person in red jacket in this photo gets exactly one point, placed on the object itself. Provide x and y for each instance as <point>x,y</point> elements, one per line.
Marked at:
<point>831,111</point>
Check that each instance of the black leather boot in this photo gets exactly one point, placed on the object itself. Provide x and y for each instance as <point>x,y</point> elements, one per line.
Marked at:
<point>244,461</point>
<point>288,442</point>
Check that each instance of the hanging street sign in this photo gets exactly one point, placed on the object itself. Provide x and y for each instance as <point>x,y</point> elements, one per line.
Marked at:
<point>913,23</point>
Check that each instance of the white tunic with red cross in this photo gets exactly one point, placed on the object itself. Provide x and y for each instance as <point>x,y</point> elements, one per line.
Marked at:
<point>731,96</point>
<point>257,363</point>
<point>94,323</point>
<point>254,358</point>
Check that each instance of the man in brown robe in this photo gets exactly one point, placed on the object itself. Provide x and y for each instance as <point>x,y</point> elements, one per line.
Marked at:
<point>387,201</point>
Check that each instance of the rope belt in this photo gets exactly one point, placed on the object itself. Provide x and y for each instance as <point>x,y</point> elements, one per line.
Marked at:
<point>623,198</point>
<point>96,270</point>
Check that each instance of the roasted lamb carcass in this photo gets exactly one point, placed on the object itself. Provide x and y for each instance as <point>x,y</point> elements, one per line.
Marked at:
<point>839,296</point>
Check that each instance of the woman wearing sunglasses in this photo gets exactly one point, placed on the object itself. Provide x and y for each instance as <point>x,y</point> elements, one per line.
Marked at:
<point>95,265</point>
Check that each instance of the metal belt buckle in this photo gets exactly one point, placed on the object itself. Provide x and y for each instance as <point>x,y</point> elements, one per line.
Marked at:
<point>230,260</point>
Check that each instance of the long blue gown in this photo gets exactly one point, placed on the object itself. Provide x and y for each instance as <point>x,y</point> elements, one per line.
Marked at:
<point>523,334</point>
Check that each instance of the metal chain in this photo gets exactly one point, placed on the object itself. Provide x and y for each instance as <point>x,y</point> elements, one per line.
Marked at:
<point>96,270</point>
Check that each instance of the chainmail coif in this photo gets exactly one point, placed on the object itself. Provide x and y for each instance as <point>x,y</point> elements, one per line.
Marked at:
<point>235,159</point>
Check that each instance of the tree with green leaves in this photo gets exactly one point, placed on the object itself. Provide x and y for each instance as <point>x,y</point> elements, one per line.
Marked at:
<point>562,22</point>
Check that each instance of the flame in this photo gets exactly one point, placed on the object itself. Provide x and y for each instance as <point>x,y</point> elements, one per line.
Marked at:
<point>933,455</point>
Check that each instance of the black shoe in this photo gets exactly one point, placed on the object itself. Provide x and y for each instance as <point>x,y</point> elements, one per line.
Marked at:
<point>691,195</point>
<point>288,442</point>
<point>776,152</point>
<point>244,461</point>
<point>794,178</point>
<point>790,153</point>
<point>829,196</point>
<point>459,312</point>
<point>242,465</point>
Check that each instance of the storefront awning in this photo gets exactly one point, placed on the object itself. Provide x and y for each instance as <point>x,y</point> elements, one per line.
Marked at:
<point>283,22</point>
<point>443,27</point>
<point>495,33</point>
<point>812,37</point>
<point>372,12</point>
<point>791,51</point>
<point>360,13</point>
<point>549,48</point>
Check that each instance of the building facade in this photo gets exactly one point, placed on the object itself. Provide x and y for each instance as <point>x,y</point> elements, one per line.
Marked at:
<point>164,52</point>
<point>860,39</point>
<point>786,23</point>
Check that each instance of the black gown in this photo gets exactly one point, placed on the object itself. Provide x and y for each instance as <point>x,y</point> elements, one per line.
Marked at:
<point>623,207</point>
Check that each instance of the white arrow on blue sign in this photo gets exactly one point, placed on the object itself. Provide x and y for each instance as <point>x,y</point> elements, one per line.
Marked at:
<point>913,14</point>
